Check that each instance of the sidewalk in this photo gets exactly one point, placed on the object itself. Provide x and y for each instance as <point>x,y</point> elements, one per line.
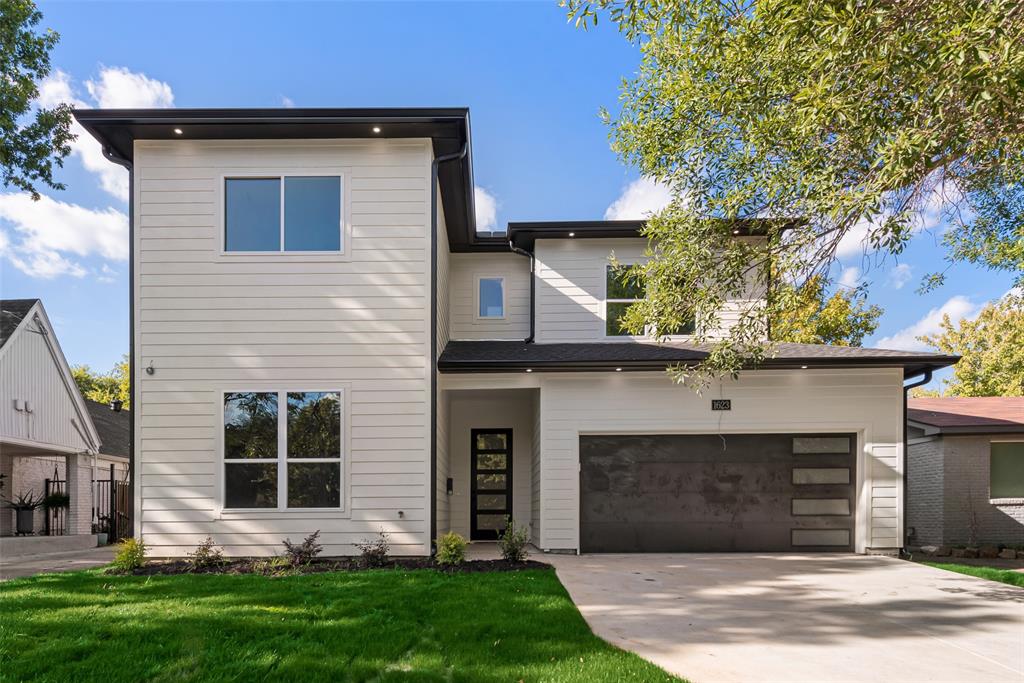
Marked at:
<point>30,565</point>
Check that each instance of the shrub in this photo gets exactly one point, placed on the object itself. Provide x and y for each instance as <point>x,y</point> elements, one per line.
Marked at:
<point>206,555</point>
<point>513,541</point>
<point>131,555</point>
<point>57,501</point>
<point>299,554</point>
<point>374,553</point>
<point>451,549</point>
<point>274,566</point>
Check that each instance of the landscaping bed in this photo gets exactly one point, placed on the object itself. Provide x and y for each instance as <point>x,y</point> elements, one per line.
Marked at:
<point>272,566</point>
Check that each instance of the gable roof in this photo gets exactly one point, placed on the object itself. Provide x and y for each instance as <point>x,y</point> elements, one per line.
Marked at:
<point>506,356</point>
<point>30,312</point>
<point>12,312</point>
<point>967,415</point>
<point>446,127</point>
<point>112,426</point>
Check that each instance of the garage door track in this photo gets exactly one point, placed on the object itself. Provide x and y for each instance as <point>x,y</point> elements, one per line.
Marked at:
<point>750,617</point>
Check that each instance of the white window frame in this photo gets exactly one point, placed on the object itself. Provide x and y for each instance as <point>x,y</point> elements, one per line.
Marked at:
<point>344,227</point>
<point>282,460</point>
<point>604,306</point>
<point>648,329</point>
<point>476,297</point>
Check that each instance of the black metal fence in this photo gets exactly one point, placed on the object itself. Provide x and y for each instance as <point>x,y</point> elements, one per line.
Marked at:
<point>55,519</point>
<point>110,511</point>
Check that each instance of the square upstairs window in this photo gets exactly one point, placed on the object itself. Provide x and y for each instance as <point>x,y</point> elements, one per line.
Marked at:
<point>490,297</point>
<point>1006,471</point>
<point>283,214</point>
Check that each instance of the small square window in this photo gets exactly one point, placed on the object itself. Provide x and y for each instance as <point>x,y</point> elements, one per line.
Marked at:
<point>252,214</point>
<point>1006,471</point>
<point>491,296</point>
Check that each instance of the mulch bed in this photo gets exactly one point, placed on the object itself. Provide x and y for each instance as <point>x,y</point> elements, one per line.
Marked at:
<point>345,564</point>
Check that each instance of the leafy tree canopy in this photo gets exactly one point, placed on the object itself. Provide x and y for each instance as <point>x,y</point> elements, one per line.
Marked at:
<point>843,319</point>
<point>865,120</point>
<point>32,140</point>
<point>104,388</point>
<point>992,350</point>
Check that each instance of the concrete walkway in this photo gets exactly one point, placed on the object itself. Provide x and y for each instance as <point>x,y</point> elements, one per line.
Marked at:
<point>752,617</point>
<point>30,565</point>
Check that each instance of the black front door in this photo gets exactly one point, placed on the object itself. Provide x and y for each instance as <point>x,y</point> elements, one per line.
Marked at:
<point>491,488</point>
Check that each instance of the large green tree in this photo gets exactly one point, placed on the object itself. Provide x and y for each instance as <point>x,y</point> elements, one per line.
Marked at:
<point>814,317</point>
<point>992,350</point>
<point>33,140</point>
<point>104,388</point>
<point>860,121</point>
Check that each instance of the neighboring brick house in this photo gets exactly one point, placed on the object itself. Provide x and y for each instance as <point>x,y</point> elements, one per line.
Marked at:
<point>965,471</point>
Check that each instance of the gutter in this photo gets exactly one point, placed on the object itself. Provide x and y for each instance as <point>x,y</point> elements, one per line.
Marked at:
<point>111,155</point>
<point>906,454</point>
<point>533,285</point>
<point>437,161</point>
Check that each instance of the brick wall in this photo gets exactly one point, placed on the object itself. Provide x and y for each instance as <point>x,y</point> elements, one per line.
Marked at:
<point>924,491</point>
<point>967,491</point>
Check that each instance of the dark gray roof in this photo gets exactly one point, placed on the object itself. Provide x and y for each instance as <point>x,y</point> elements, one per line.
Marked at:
<point>501,356</point>
<point>113,428</point>
<point>12,312</point>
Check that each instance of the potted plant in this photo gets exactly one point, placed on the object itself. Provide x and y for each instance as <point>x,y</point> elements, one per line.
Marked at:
<point>100,528</point>
<point>24,507</point>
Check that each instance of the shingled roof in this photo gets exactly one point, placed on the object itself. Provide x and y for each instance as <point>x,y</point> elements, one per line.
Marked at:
<point>113,427</point>
<point>505,356</point>
<point>964,415</point>
<point>12,312</point>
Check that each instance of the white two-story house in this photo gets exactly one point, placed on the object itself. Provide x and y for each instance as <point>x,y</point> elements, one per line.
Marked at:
<point>321,340</point>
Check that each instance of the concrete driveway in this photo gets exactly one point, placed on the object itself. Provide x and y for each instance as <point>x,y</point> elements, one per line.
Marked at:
<point>749,617</point>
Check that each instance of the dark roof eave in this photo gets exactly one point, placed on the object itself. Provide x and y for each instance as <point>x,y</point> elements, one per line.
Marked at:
<point>524,234</point>
<point>448,128</point>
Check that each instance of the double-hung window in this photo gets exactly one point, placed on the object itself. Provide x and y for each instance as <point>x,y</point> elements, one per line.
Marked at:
<point>286,213</point>
<point>622,290</point>
<point>283,449</point>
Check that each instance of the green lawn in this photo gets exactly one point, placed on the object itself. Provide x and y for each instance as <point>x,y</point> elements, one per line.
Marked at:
<point>991,573</point>
<point>342,626</point>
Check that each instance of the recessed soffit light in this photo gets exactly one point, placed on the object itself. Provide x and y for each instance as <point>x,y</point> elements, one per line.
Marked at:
<point>178,131</point>
<point>376,129</point>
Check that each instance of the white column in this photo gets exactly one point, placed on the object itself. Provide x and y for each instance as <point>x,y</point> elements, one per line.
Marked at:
<point>79,488</point>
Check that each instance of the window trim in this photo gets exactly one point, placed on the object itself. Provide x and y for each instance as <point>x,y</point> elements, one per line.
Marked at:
<point>282,460</point>
<point>344,227</point>
<point>476,297</point>
<point>648,329</point>
<point>1001,500</point>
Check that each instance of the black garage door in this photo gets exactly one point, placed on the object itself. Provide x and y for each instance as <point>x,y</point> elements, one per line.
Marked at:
<point>712,493</point>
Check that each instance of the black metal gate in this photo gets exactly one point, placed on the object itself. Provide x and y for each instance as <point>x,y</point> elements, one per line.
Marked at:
<point>55,519</point>
<point>110,511</point>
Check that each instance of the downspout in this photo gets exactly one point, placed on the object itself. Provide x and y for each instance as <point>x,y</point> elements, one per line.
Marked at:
<point>116,158</point>
<point>433,335</point>
<point>533,284</point>
<point>906,455</point>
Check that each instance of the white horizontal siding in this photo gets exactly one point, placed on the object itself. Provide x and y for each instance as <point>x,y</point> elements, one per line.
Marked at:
<point>208,322</point>
<point>571,288</point>
<point>465,269</point>
<point>868,402</point>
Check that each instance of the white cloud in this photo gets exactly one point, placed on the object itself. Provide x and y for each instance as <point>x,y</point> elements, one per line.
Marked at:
<point>957,308</point>
<point>115,87</point>
<point>486,210</point>
<point>639,200</point>
<point>900,275</point>
<point>850,277</point>
<point>119,88</point>
<point>929,217</point>
<point>46,234</point>
<point>287,102</point>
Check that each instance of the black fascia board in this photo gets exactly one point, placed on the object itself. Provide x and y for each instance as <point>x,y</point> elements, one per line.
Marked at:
<point>524,234</point>
<point>447,128</point>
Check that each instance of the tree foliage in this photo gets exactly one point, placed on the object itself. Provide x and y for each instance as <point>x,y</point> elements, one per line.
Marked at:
<point>104,388</point>
<point>33,140</point>
<point>843,319</point>
<point>864,120</point>
<point>992,350</point>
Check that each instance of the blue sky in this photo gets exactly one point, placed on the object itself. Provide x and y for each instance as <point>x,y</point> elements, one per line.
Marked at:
<point>534,85</point>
